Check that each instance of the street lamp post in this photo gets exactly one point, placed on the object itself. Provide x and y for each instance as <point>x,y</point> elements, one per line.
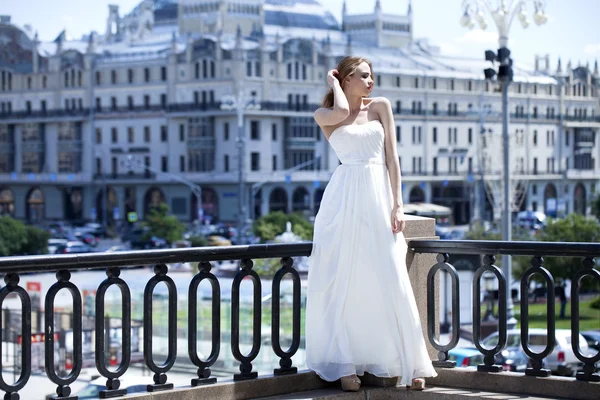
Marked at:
<point>240,104</point>
<point>503,14</point>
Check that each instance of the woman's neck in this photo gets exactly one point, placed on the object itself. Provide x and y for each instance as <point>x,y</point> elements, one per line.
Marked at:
<point>355,104</point>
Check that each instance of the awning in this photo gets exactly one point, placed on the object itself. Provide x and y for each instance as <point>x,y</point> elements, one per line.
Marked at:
<point>427,209</point>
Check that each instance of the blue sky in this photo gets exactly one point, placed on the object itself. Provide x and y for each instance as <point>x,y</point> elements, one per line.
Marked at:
<point>572,31</point>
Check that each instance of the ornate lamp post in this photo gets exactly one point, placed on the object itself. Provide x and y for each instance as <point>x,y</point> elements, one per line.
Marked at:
<point>240,103</point>
<point>503,13</point>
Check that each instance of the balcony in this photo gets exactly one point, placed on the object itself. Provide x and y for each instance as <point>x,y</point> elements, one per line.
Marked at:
<point>147,175</point>
<point>425,259</point>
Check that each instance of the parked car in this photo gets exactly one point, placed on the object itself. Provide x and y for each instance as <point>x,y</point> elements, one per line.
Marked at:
<point>131,384</point>
<point>216,240</point>
<point>72,247</point>
<point>562,360</point>
<point>87,238</point>
<point>138,240</point>
<point>592,338</point>
<point>95,229</point>
<point>54,244</point>
<point>465,356</point>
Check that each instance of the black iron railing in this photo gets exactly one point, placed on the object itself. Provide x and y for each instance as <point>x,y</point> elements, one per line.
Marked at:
<point>12,267</point>
<point>112,263</point>
<point>488,249</point>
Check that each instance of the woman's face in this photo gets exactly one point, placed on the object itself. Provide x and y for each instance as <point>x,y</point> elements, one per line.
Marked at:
<point>361,82</point>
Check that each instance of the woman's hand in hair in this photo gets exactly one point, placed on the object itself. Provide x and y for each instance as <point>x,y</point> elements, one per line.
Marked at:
<point>332,77</point>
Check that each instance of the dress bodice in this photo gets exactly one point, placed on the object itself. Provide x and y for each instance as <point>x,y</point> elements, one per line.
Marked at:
<point>359,144</point>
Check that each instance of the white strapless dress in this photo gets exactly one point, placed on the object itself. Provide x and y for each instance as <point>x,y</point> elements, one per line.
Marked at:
<point>361,312</point>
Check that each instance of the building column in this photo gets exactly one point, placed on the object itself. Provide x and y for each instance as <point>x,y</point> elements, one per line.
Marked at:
<point>428,192</point>
<point>18,148</point>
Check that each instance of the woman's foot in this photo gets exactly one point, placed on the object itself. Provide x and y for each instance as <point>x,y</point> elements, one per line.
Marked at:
<point>417,384</point>
<point>350,383</point>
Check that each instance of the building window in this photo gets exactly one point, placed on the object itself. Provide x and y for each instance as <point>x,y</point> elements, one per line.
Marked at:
<point>435,135</point>
<point>163,133</point>
<point>98,104</point>
<point>255,161</point>
<point>146,101</point>
<point>146,74</point>
<point>130,135</point>
<point>378,80</point>
<point>254,130</point>
<point>98,136</point>
<point>435,167</point>
<point>226,162</point>
<point>98,166</point>
<point>181,132</point>
<point>274,132</point>
<point>164,164</point>
<point>398,134</point>
<point>163,74</point>
<point>434,83</point>
<point>114,135</point>
<point>451,84</point>
<point>113,77</point>
<point>113,103</point>
<point>147,134</point>
<point>470,135</point>
<point>535,138</point>
<point>274,163</point>
<point>163,100</point>
<point>181,163</point>
<point>398,81</point>
<point>226,131</point>
<point>44,82</point>
<point>130,102</point>
<point>130,75</point>
<point>416,83</point>
<point>249,68</point>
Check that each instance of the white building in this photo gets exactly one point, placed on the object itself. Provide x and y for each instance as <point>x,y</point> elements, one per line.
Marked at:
<point>73,111</point>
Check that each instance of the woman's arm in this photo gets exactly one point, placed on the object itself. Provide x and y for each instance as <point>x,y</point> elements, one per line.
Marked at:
<point>386,116</point>
<point>340,110</point>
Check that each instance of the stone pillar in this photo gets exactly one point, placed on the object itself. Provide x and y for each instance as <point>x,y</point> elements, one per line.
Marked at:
<point>418,267</point>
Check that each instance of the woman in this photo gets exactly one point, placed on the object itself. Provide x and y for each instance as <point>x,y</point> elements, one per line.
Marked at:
<point>361,311</point>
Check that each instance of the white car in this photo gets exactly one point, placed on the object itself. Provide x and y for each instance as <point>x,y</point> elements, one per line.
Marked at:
<point>131,384</point>
<point>562,360</point>
<point>53,244</point>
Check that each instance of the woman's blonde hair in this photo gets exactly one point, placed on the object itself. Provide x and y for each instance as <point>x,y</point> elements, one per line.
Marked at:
<point>346,67</point>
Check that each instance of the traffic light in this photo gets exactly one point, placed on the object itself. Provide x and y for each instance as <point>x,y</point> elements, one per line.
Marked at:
<point>505,71</point>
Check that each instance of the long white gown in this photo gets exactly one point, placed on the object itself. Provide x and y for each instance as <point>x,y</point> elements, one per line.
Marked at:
<point>361,312</point>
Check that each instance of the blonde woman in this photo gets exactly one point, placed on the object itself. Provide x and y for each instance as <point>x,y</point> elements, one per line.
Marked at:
<point>361,311</point>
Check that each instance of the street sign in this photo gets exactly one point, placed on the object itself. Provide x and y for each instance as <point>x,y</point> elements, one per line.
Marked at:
<point>445,182</point>
<point>317,184</point>
<point>288,178</point>
<point>132,216</point>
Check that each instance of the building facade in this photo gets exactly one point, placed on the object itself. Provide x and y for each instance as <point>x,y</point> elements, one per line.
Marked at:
<point>117,122</point>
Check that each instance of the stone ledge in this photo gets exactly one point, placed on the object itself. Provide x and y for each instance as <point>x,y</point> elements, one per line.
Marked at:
<point>517,383</point>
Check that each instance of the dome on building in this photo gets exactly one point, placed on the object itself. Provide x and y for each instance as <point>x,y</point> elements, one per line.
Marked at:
<point>285,13</point>
<point>299,14</point>
<point>165,11</point>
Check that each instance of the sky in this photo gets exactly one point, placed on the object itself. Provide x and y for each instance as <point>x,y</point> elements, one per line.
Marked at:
<point>571,32</point>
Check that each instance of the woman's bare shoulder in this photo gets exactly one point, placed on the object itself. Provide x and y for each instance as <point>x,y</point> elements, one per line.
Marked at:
<point>378,101</point>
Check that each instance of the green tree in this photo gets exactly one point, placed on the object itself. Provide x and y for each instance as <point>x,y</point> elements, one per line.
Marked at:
<point>37,241</point>
<point>573,228</point>
<point>273,224</point>
<point>596,206</point>
<point>12,236</point>
<point>16,238</point>
<point>161,224</point>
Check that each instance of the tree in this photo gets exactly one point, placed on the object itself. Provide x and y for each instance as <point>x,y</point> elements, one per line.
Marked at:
<point>573,228</point>
<point>161,224</point>
<point>12,236</point>
<point>274,224</point>
<point>16,238</point>
<point>596,206</point>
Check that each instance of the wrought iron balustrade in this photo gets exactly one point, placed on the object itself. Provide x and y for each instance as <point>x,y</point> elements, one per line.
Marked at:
<point>64,265</point>
<point>489,249</point>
